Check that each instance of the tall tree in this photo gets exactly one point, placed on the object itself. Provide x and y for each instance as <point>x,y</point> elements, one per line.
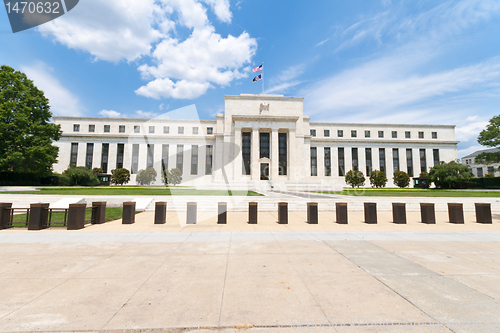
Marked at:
<point>26,133</point>
<point>490,137</point>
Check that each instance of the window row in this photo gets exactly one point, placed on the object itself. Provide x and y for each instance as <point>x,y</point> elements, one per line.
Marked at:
<point>137,129</point>
<point>354,134</point>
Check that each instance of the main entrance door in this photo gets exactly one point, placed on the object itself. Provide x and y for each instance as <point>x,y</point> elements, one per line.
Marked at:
<point>264,171</point>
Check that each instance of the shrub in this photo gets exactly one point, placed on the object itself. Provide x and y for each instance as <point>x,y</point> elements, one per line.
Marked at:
<point>81,176</point>
<point>95,171</point>
<point>174,176</point>
<point>401,179</point>
<point>378,178</point>
<point>145,177</point>
<point>423,175</point>
<point>355,178</point>
<point>449,175</point>
<point>120,176</point>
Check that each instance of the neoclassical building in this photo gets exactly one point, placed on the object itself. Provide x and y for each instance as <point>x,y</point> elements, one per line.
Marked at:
<point>259,141</point>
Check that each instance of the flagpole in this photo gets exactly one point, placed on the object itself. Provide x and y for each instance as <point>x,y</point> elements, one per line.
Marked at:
<point>262,78</point>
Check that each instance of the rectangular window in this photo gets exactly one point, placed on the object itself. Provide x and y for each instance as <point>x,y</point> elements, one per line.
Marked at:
<point>166,129</point>
<point>151,129</point>
<point>195,130</point>
<point>74,154</point>
<point>491,170</point>
<point>104,157</point>
<point>368,155</point>
<point>90,155</point>
<point>314,161</point>
<point>119,155</point>
<point>106,128</point>
<point>381,155</point>
<point>355,164</point>
<point>367,134</point>
<point>435,152</point>
<point>180,158</point>
<point>76,128</point>
<point>208,164</point>
<point>423,161</point>
<point>180,130</point>
<point>282,154</point>
<point>137,129</point>
<point>91,128</point>
<point>420,135</point>
<point>394,134</point>
<point>151,152</point>
<point>341,162</point>
<point>246,147</point>
<point>121,128</point>
<point>264,145</point>
<point>480,172</point>
<point>380,134</point>
<point>407,135</point>
<point>328,162</point>
<point>434,135</point>
<point>354,134</point>
<point>313,132</point>
<point>340,133</point>
<point>395,159</point>
<point>327,133</point>
<point>164,157</point>
<point>210,130</point>
<point>194,159</point>
<point>409,161</point>
<point>135,159</point>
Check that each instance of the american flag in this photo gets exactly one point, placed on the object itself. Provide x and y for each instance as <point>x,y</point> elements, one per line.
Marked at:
<point>256,69</point>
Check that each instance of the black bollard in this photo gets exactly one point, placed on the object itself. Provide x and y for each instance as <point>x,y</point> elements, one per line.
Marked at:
<point>191,213</point>
<point>160,212</point>
<point>222,213</point>
<point>399,213</point>
<point>283,213</point>
<point>483,213</point>
<point>341,212</point>
<point>427,213</point>
<point>252,213</point>
<point>128,212</point>
<point>312,212</point>
<point>456,213</point>
<point>370,212</point>
<point>76,216</point>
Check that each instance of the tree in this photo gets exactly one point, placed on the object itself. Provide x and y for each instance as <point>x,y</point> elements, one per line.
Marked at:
<point>26,133</point>
<point>355,178</point>
<point>490,137</point>
<point>378,178</point>
<point>448,175</point>
<point>401,179</point>
<point>145,177</point>
<point>96,171</point>
<point>120,176</point>
<point>81,176</point>
<point>174,176</point>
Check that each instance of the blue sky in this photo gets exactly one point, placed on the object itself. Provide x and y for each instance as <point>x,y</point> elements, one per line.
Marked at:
<point>429,62</point>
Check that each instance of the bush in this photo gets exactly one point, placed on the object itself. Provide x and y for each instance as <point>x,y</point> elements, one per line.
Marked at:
<point>401,179</point>
<point>81,176</point>
<point>355,178</point>
<point>449,175</point>
<point>95,171</point>
<point>174,176</point>
<point>423,175</point>
<point>120,176</point>
<point>378,178</point>
<point>145,177</point>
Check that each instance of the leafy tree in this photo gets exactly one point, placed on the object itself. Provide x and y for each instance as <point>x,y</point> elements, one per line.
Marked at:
<point>490,137</point>
<point>174,176</point>
<point>26,133</point>
<point>95,171</point>
<point>120,176</point>
<point>355,178</point>
<point>423,174</point>
<point>448,175</point>
<point>401,179</point>
<point>145,177</point>
<point>378,178</point>
<point>81,176</point>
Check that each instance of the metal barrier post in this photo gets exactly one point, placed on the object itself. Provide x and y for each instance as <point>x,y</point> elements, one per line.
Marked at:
<point>160,212</point>
<point>370,212</point>
<point>456,213</point>
<point>312,212</point>
<point>222,213</point>
<point>76,216</point>
<point>283,213</point>
<point>252,213</point>
<point>341,212</point>
<point>191,213</point>
<point>39,214</point>
<point>128,216</point>
<point>483,213</point>
<point>427,213</point>
<point>399,213</point>
<point>99,212</point>
<point>5,215</point>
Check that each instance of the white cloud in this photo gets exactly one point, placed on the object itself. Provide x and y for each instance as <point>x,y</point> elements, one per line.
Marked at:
<point>145,114</point>
<point>221,9</point>
<point>62,102</point>
<point>111,114</point>
<point>323,42</point>
<point>164,88</point>
<point>286,79</point>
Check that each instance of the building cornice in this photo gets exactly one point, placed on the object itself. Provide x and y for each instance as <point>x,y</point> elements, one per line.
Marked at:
<point>264,118</point>
<point>135,120</point>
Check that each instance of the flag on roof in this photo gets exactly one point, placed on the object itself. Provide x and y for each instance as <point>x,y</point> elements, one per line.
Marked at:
<point>256,69</point>
<point>257,78</point>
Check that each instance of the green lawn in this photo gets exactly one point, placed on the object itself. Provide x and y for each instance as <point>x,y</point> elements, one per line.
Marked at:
<point>133,191</point>
<point>415,193</point>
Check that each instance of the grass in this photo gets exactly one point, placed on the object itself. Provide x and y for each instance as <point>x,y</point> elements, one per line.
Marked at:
<point>133,191</point>
<point>414,193</point>
<point>112,213</point>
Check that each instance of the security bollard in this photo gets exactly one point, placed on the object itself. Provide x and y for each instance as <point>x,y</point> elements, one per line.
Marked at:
<point>427,213</point>
<point>98,212</point>
<point>483,213</point>
<point>252,213</point>
<point>76,216</point>
<point>222,210</point>
<point>39,216</point>
<point>312,212</point>
<point>191,213</point>
<point>399,213</point>
<point>370,212</point>
<point>283,213</point>
<point>160,212</point>
<point>341,212</point>
<point>5,215</point>
<point>456,213</point>
<point>128,212</point>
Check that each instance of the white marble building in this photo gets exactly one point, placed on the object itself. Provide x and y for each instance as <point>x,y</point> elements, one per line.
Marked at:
<point>260,140</point>
<point>481,170</point>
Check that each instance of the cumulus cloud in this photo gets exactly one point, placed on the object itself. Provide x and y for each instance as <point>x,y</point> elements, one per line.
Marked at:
<point>62,102</point>
<point>111,114</point>
<point>145,114</point>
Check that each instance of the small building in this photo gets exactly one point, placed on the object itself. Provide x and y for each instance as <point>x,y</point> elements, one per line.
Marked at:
<point>481,170</point>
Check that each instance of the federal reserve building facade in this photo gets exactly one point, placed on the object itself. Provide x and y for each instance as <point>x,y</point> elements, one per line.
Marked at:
<point>258,142</point>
